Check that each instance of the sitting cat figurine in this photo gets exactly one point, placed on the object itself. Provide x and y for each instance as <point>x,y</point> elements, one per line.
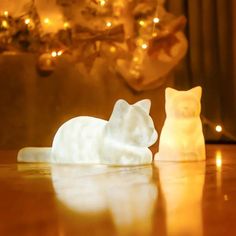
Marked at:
<point>181,136</point>
<point>123,140</point>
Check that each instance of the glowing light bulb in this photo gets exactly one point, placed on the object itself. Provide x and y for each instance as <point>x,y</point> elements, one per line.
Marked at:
<point>66,25</point>
<point>156,20</point>
<point>59,53</point>
<point>135,59</point>
<point>102,2</point>
<point>144,46</point>
<point>108,24</point>
<point>6,13</point>
<point>4,24</point>
<point>54,54</point>
<point>218,128</point>
<point>141,22</point>
<point>113,49</point>
<point>154,34</point>
<point>46,21</point>
<point>27,21</point>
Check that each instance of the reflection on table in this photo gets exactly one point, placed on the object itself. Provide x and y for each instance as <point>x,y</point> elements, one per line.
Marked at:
<point>182,185</point>
<point>128,194</point>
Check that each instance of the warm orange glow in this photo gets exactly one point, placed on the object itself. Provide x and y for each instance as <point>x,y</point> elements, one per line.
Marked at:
<point>108,24</point>
<point>218,128</point>
<point>54,54</point>
<point>156,20</point>
<point>6,13</point>
<point>27,21</point>
<point>113,49</point>
<point>218,160</point>
<point>4,24</point>
<point>135,59</point>
<point>46,21</point>
<point>144,46</point>
<point>226,197</point>
<point>141,22</point>
<point>102,2</point>
<point>59,53</point>
<point>66,25</point>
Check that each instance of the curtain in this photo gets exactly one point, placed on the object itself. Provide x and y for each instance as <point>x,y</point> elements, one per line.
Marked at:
<point>210,61</point>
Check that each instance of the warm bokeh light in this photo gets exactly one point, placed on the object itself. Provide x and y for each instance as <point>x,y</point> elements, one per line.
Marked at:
<point>46,21</point>
<point>66,25</point>
<point>6,13</point>
<point>141,22</point>
<point>4,24</point>
<point>108,24</point>
<point>226,198</point>
<point>59,53</point>
<point>54,54</point>
<point>27,21</point>
<point>135,59</point>
<point>144,46</point>
<point>156,20</point>
<point>218,128</point>
<point>102,2</point>
<point>113,49</point>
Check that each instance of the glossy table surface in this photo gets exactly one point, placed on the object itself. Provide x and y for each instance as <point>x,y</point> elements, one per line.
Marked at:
<point>196,198</point>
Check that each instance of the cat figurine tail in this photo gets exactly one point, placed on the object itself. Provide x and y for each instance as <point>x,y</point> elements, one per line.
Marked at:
<point>122,140</point>
<point>181,137</point>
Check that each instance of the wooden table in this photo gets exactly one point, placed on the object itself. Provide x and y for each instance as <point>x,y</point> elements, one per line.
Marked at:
<point>196,198</point>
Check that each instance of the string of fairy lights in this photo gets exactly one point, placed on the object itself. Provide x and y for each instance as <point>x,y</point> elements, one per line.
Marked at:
<point>29,22</point>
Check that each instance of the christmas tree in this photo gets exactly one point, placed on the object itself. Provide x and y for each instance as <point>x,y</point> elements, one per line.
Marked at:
<point>139,39</point>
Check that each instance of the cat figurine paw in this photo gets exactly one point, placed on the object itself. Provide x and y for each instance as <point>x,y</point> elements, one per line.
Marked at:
<point>122,140</point>
<point>181,137</point>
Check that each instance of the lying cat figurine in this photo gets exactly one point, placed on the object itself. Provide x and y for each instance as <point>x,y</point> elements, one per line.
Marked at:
<point>123,140</point>
<point>181,136</point>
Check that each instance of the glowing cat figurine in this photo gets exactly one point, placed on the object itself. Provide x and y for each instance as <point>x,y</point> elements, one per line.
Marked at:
<point>123,140</point>
<point>181,137</point>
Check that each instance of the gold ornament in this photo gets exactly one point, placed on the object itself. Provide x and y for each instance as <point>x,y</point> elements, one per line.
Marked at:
<point>46,64</point>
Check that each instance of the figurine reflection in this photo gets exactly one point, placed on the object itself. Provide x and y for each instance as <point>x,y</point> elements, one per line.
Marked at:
<point>127,193</point>
<point>182,186</point>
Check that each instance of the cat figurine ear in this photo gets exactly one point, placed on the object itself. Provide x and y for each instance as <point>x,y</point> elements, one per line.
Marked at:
<point>170,92</point>
<point>145,104</point>
<point>120,108</point>
<point>197,91</point>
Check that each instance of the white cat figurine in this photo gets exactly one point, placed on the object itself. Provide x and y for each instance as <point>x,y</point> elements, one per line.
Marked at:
<point>123,140</point>
<point>181,137</point>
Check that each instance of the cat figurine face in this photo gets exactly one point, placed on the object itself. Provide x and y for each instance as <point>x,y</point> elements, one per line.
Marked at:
<point>183,104</point>
<point>132,124</point>
<point>181,136</point>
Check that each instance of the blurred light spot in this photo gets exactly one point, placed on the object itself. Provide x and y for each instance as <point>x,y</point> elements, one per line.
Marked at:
<point>54,54</point>
<point>218,128</point>
<point>156,20</point>
<point>218,160</point>
<point>27,21</point>
<point>226,197</point>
